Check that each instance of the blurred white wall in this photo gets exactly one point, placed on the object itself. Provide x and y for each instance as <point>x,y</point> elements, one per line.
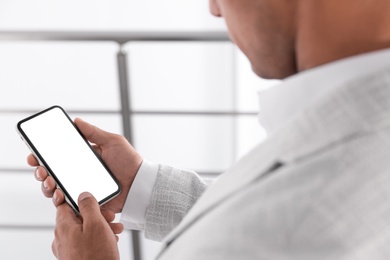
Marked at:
<point>107,15</point>
<point>82,76</point>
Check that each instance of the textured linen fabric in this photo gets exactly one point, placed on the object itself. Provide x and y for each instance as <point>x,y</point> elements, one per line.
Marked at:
<point>318,188</point>
<point>281,103</point>
<point>175,192</point>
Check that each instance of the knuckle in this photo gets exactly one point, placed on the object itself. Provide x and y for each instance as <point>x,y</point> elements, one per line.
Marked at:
<point>48,193</point>
<point>121,138</point>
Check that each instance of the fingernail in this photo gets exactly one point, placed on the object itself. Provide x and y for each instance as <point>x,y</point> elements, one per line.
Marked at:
<point>84,195</point>
<point>45,185</point>
<point>55,197</point>
<point>36,175</point>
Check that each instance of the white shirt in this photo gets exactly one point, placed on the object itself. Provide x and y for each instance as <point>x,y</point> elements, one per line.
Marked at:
<point>279,105</point>
<point>283,102</point>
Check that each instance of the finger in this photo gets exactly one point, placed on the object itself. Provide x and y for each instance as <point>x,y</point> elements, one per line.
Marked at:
<point>97,149</point>
<point>92,133</point>
<point>58,197</point>
<point>65,218</point>
<point>48,187</point>
<point>40,173</point>
<point>88,207</point>
<point>108,215</point>
<point>31,160</point>
<point>117,238</point>
<point>116,228</point>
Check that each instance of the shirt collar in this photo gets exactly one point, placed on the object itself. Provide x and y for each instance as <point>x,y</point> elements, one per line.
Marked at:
<point>282,103</point>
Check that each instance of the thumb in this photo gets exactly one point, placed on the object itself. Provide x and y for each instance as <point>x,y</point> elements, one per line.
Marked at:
<point>88,207</point>
<point>92,133</point>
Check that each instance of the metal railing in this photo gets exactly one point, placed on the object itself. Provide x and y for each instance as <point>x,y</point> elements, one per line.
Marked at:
<point>122,38</point>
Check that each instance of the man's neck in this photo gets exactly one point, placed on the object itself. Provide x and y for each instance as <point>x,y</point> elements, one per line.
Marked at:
<point>330,30</point>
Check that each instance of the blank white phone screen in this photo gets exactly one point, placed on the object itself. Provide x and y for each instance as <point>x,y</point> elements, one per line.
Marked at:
<point>67,154</point>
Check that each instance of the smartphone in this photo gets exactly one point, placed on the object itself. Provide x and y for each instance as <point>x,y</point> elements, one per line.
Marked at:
<point>68,157</point>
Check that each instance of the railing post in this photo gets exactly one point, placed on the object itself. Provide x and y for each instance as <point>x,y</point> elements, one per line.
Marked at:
<point>124,86</point>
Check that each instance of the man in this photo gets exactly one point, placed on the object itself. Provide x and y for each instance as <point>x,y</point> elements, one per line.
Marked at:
<point>317,188</point>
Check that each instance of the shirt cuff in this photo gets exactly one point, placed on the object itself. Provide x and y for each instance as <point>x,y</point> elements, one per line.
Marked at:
<point>134,210</point>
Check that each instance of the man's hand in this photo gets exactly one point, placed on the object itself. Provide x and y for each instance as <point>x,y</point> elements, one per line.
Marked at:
<point>115,151</point>
<point>85,237</point>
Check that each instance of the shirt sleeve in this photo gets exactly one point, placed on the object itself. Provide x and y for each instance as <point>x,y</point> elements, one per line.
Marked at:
<point>134,210</point>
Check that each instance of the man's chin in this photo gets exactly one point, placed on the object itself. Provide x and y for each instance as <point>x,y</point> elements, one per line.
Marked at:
<point>273,73</point>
